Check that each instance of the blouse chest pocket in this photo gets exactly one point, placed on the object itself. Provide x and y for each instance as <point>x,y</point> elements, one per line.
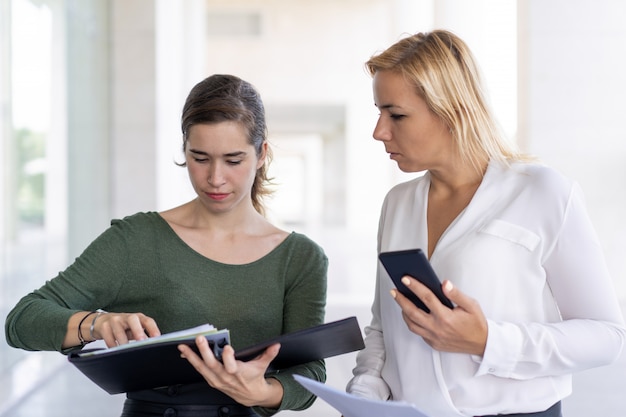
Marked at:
<point>512,233</point>
<point>501,269</point>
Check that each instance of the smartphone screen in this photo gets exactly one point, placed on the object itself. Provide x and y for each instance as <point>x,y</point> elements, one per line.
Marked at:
<point>413,262</point>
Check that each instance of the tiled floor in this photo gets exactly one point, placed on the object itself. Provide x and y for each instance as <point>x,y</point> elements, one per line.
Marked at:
<point>47,385</point>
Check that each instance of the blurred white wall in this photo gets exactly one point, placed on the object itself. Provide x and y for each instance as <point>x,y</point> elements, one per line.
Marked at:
<point>121,71</point>
<point>551,68</point>
<point>572,66</point>
<point>307,59</point>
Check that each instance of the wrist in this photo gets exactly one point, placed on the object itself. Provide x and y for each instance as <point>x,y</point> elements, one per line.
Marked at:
<point>274,397</point>
<point>81,338</point>
<point>92,327</point>
<point>84,324</point>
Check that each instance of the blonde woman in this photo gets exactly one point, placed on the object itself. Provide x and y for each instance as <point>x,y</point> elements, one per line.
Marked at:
<point>510,238</point>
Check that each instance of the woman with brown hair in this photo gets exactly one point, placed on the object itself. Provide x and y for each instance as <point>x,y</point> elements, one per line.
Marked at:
<point>215,259</point>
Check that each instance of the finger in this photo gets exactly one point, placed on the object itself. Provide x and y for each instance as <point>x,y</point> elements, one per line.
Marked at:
<point>458,297</point>
<point>191,356</point>
<point>126,327</point>
<point>404,303</point>
<point>413,316</point>
<point>424,293</point>
<point>228,359</point>
<point>206,352</point>
<point>106,333</point>
<point>150,327</point>
<point>135,329</point>
<point>269,355</point>
<point>119,331</point>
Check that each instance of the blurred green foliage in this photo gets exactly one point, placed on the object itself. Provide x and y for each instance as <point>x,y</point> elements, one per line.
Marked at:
<point>31,151</point>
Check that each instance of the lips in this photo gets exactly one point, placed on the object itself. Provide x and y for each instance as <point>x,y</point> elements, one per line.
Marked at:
<point>216,196</point>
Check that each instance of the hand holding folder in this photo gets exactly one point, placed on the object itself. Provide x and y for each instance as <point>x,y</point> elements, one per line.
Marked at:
<point>156,363</point>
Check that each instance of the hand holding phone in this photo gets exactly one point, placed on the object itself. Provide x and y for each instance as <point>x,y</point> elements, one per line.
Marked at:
<point>413,262</point>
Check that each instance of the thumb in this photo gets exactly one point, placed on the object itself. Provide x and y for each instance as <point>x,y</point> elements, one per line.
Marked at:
<point>270,353</point>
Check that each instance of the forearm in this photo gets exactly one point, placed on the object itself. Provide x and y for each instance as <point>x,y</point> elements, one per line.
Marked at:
<point>534,350</point>
<point>37,324</point>
<point>275,394</point>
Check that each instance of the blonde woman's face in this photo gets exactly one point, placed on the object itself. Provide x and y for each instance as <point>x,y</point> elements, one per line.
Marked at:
<point>413,135</point>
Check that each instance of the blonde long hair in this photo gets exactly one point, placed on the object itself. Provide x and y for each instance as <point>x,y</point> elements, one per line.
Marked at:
<point>445,75</point>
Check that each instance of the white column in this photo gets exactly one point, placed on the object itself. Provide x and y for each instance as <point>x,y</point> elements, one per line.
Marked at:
<point>133,107</point>
<point>88,109</point>
<point>7,208</point>
<point>181,50</point>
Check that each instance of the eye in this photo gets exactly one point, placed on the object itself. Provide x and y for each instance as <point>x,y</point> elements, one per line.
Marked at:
<point>397,116</point>
<point>234,162</point>
<point>200,160</point>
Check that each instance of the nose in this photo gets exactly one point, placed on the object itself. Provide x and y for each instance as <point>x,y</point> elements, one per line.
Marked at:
<point>381,131</point>
<point>215,176</point>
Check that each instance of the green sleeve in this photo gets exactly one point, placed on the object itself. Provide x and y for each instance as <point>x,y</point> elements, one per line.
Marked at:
<point>305,302</point>
<point>39,319</point>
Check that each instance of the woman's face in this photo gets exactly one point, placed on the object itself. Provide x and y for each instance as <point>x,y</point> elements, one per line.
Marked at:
<point>413,135</point>
<point>222,164</point>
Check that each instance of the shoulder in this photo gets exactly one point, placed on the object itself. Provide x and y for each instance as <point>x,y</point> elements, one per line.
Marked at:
<point>298,249</point>
<point>140,219</point>
<point>538,171</point>
<point>406,198</point>
<point>409,185</point>
<point>139,224</point>
<point>302,242</point>
<point>539,178</point>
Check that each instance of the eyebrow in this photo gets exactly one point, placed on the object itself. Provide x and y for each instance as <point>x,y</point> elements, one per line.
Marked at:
<point>228,155</point>
<point>386,106</point>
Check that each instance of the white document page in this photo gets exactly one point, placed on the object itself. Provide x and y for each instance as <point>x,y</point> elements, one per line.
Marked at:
<point>204,330</point>
<point>352,406</point>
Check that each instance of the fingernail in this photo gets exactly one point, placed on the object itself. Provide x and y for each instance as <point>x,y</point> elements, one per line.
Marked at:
<point>393,293</point>
<point>448,286</point>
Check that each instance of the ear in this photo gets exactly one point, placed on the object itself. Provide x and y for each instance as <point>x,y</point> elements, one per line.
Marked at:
<point>262,156</point>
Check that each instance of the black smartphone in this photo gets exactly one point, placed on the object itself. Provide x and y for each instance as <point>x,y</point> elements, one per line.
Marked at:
<point>413,262</point>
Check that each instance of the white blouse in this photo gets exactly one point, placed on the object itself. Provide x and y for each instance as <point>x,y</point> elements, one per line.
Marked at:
<point>525,249</point>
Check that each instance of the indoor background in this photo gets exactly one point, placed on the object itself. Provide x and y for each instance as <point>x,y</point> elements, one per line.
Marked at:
<point>90,98</point>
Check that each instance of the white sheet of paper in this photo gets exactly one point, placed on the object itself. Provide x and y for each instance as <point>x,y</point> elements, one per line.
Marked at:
<point>204,329</point>
<point>352,406</point>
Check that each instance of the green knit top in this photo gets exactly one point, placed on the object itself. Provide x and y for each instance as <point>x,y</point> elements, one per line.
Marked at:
<point>140,264</point>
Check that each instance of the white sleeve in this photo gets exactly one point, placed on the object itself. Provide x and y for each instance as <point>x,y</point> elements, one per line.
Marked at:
<point>592,332</point>
<point>367,381</point>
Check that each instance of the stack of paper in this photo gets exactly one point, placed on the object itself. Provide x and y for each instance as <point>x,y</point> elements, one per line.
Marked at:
<point>352,406</point>
<point>192,333</point>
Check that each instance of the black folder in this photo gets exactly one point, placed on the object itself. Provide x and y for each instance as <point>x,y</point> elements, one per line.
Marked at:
<point>160,364</point>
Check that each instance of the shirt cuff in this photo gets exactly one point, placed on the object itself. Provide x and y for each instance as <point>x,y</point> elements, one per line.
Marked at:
<point>503,349</point>
<point>369,386</point>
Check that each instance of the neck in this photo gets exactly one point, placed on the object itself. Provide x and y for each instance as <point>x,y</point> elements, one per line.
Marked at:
<point>244,218</point>
<point>457,178</point>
